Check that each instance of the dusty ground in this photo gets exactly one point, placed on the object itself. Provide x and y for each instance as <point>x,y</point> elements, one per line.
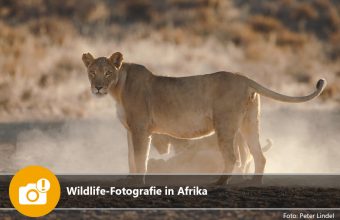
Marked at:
<point>303,142</point>
<point>162,214</point>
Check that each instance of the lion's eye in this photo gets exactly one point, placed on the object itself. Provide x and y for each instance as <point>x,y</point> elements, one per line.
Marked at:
<point>92,74</point>
<point>108,74</point>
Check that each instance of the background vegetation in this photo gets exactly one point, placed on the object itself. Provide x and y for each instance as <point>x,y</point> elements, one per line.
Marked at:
<point>286,45</point>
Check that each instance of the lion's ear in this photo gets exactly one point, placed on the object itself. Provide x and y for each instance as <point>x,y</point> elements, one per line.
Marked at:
<point>87,59</point>
<point>116,59</point>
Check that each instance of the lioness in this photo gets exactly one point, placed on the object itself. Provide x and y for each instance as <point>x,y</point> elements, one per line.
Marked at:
<point>183,107</point>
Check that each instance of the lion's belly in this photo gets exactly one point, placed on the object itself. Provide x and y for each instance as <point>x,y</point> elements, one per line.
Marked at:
<point>187,125</point>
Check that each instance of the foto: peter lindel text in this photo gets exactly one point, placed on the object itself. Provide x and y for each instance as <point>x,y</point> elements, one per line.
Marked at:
<point>303,215</point>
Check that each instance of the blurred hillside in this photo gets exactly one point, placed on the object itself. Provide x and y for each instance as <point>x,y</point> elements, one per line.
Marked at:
<point>286,45</point>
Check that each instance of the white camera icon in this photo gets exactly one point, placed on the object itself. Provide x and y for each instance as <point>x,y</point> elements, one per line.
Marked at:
<point>34,193</point>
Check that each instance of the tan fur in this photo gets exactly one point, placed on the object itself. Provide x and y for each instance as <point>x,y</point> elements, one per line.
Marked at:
<point>184,107</point>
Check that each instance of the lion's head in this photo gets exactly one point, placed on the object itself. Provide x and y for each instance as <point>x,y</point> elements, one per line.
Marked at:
<point>102,71</point>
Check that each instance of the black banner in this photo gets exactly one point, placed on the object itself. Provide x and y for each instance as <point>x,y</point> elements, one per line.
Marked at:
<point>192,191</point>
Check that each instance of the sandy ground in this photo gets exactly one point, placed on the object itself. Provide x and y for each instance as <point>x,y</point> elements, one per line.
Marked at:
<point>162,214</point>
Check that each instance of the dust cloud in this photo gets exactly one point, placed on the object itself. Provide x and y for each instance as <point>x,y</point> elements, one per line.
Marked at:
<point>304,141</point>
<point>92,146</point>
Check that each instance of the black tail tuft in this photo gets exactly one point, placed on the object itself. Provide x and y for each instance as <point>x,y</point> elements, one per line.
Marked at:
<point>320,84</point>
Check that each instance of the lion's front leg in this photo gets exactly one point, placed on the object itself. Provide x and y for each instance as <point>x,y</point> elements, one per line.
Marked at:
<point>131,157</point>
<point>141,143</point>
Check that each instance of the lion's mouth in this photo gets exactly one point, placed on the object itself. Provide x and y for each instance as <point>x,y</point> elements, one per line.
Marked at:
<point>99,94</point>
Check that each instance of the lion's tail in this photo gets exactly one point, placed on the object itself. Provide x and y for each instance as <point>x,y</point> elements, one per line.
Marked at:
<point>321,84</point>
<point>267,146</point>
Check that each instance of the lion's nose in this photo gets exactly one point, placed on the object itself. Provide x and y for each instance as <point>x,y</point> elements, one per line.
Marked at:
<point>99,88</point>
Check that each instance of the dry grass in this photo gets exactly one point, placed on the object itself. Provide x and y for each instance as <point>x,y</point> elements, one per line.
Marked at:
<point>292,39</point>
<point>335,46</point>
<point>265,24</point>
<point>41,42</point>
<point>305,11</point>
<point>243,35</point>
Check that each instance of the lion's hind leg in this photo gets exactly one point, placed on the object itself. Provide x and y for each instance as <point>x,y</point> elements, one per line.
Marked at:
<point>250,129</point>
<point>226,128</point>
<point>241,153</point>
